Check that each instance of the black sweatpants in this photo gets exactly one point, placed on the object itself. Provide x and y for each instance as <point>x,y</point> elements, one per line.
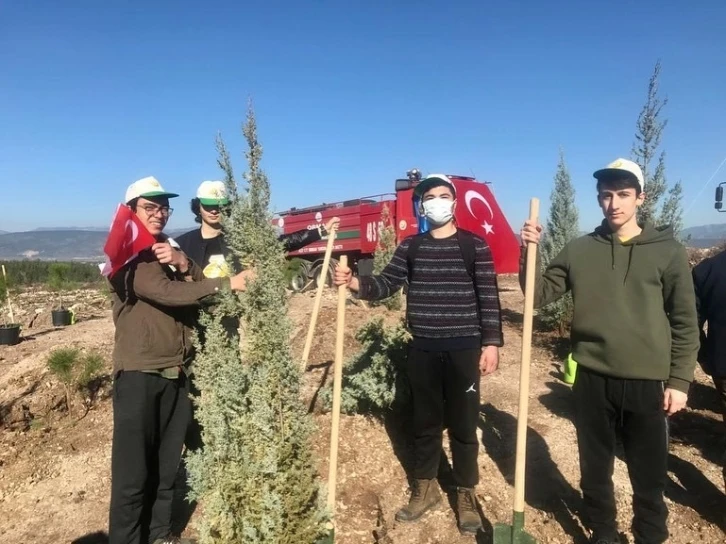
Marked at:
<point>445,392</point>
<point>603,407</point>
<point>150,418</point>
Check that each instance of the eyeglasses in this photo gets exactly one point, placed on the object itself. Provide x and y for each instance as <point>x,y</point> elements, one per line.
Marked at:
<point>165,211</point>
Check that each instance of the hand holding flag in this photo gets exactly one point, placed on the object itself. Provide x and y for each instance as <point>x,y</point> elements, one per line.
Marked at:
<point>126,239</point>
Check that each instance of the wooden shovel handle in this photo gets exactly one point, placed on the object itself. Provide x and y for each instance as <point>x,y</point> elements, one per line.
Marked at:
<point>524,371</point>
<point>337,388</point>
<point>7,296</point>
<point>318,297</point>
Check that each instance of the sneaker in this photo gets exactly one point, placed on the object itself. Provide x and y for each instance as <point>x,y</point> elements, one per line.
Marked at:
<point>424,496</point>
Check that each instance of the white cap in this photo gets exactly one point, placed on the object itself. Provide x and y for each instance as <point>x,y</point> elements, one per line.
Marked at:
<point>622,168</point>
<point>213,193</point>
<point>146,187</point>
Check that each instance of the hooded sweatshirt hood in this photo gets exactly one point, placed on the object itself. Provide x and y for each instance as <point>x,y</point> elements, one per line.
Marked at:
<point>650,234</point>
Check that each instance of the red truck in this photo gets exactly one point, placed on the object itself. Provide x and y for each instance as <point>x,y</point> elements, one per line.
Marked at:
<point>361,222</point>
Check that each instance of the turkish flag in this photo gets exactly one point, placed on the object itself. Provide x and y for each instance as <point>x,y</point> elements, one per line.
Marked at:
<point>126,239</point>
<point>478,211</point>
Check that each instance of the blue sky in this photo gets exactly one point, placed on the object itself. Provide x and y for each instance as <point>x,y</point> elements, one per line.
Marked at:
<point>348,96</point>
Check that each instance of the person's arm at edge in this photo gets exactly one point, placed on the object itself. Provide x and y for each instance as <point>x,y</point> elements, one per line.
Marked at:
<point>680,306</point>
<point>553,283</point>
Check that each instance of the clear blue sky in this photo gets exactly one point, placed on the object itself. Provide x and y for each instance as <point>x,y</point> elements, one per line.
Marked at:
<point>348,96</point>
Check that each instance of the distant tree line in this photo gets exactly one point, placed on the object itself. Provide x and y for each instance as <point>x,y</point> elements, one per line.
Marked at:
<point>24,273</point>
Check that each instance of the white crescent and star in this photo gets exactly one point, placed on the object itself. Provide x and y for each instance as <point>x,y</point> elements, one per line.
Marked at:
<point>473,195</point>
<point>134,232</point>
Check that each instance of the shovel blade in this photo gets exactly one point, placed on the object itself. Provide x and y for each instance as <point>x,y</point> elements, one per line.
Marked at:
<point>502,534</point>
<point>508,534</point>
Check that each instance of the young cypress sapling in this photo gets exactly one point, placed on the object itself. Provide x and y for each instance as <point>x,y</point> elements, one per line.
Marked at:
<point>255,475</point>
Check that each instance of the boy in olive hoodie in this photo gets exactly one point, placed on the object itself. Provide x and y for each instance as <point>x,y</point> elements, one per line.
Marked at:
<point>635,338</point>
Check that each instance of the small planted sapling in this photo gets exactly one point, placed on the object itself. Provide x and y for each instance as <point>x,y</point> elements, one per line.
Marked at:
<point>76,371</point>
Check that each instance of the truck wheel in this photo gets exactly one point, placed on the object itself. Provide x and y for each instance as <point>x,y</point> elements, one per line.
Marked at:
<point>301,277</point>
<point>365,267</point>
<point>317,270</point>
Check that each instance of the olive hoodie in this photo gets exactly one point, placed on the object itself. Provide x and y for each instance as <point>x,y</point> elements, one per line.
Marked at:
<point>634,304</point>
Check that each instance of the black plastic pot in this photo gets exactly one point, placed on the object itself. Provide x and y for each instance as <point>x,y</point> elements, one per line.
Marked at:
<point>9,334</point>
<point>61,318</point>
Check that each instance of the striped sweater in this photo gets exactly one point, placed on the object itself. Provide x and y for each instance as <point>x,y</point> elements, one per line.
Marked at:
<point>445,308</point>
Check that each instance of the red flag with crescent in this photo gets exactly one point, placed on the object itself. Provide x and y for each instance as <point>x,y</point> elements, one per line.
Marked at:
<point>126,239</point>
<point>478,211</point>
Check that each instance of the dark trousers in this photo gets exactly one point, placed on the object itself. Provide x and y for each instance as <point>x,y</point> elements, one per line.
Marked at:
<point>720,384</point>
<point>445,392</point>
<point>603,407</point>
<point>150,418</point>
<point>193,438</point>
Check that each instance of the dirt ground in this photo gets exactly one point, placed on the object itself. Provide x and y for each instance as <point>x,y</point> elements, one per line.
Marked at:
<point>55,479</point>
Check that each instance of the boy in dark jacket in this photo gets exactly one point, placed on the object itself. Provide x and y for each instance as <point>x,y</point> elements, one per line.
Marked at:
<point>635,338</point>
<point>709,279</point>
<point>156,298</point>
<point>454,317</point>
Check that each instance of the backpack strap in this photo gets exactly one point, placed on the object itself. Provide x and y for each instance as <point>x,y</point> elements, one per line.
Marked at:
<point>413,246</point>
<point>468,252</point>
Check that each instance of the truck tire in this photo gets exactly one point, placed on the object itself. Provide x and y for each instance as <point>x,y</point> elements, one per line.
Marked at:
<point>301,277</point>
<point>365,267</point>
<point>317,268</point>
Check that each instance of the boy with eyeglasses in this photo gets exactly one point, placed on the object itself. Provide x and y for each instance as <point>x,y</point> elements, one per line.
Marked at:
<point>156,298</point>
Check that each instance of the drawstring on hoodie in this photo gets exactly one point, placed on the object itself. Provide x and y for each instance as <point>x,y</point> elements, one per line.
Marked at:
<point>630,257</point>
<point>630,262</point>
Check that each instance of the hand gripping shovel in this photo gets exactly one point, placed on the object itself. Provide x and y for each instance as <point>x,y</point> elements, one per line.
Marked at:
<point>514,533</point>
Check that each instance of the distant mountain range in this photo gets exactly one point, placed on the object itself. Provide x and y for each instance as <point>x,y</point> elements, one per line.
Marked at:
<point>86,244</point>
<point>62,244</point>
<point>90,229</point>
<point>705,235</point>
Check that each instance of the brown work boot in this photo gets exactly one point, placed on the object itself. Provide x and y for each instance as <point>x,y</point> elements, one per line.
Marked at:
<point>424,496</point>
<point>469,519</point>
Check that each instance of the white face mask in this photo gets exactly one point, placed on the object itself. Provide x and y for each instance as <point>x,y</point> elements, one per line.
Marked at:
<point>438,210</point>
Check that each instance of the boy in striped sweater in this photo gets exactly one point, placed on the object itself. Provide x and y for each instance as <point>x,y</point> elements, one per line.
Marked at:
<point>453,312</point>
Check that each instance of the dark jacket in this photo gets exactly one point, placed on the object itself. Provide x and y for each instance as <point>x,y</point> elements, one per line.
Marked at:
<point>634,307</point>
<point>709,280</point>
<point>195,247</point>
<point>154,311</point>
